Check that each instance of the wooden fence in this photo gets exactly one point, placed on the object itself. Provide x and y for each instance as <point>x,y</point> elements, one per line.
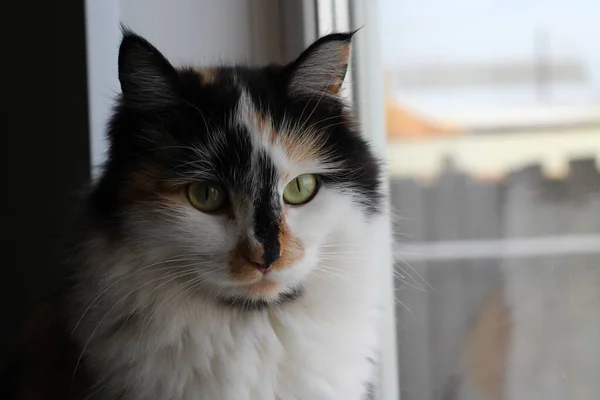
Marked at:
<point>537,239</point>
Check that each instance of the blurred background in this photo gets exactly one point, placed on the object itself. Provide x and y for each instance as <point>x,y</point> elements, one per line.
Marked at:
<point>492,114</point>
<point>488,112</point>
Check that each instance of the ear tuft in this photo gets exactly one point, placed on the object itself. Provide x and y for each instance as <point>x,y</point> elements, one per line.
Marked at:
<point>322,67</point>
<point>148,80</point>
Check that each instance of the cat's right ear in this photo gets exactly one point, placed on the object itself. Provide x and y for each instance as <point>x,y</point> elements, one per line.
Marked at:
<point>148,81</point>
<point>321,68</point>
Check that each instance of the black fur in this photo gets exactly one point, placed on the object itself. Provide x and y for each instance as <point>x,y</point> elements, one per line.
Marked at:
<point>246,304</point>
<point>267,212</point>
<point>163,112</point>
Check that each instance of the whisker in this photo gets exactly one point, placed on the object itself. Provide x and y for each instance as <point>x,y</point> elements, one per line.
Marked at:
<point>417,273</point>
<point>406,308</point>
<point>120,280</point>
<point>105,316</point>
<point>333,78</point>
<point>172,296</point>
<point>404,282</point>
<point>323,120</point>
<point>200,277</point>
<point>208,130</point>
<point>406,274</point>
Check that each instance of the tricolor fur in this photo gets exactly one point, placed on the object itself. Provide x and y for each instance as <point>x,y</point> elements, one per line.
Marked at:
<point>165,305</point>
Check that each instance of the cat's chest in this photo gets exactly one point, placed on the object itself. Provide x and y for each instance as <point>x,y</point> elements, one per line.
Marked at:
<point>266,356</point>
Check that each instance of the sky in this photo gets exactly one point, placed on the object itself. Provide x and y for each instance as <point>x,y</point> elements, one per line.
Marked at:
<point>416,32</point>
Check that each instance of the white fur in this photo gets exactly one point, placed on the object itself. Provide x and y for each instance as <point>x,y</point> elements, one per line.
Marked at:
<point>181,344</point>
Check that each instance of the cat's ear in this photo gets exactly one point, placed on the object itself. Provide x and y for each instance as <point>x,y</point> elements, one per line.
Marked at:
<point>148,80</point>
<point>321,68</point>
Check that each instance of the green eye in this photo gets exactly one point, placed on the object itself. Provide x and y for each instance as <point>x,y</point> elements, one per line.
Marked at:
<point>207,196</point>
<point>301,190</point>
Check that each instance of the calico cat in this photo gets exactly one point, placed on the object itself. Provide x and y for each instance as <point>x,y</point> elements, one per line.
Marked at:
<point>232,247</point>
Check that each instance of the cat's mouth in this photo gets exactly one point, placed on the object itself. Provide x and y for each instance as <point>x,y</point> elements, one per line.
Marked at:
<point>252,303</point>
<point>264,288</point>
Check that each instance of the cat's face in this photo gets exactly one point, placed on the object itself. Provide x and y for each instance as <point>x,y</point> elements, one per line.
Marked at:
<point>236,175</point>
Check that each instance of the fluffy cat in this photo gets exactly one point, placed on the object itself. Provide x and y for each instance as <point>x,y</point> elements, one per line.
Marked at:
<point>233,246</point>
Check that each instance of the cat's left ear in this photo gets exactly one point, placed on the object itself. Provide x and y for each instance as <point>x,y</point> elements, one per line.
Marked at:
<point>148,81</point>
<point>322,67</point>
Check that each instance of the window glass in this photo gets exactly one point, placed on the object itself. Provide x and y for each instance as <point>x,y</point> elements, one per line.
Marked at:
<point>492,110</point>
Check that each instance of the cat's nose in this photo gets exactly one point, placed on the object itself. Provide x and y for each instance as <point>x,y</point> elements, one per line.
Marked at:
<point>254,253</point>
<point>270,255</point>
<point>261,259</point>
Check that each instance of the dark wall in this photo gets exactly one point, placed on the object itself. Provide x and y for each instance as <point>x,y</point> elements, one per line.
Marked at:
<point>44,148</point>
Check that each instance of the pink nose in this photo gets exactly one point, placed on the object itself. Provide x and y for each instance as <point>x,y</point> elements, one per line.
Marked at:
<point>254,255</point>
<point>259,266</point>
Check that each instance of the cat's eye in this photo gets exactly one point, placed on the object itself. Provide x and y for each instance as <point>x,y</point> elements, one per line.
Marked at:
<point>207,196</point>
<point>301,189</point>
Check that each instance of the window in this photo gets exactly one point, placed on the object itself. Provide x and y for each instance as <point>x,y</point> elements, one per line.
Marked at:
<point>491,111</point>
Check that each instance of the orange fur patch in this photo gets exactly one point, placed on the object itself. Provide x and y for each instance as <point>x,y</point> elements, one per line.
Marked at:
<point>234,79</point>
<point>240,270</point>
<point>208,75</point>
<point>264,126</point>
<point>299,148</point>
<point>335,87</point>
<point>292,249</point>
<point>142,181</point>
<point>271,132</point>
<point>145,185</point>
<point>345,53</point>
<point>261,122</point>
<point>487,346</point>
<point>141,186</point>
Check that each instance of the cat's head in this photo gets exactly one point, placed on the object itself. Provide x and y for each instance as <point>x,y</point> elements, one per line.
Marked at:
<point>237,175</point>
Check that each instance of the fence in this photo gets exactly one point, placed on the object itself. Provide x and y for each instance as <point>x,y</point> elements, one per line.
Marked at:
<point>534,237</point>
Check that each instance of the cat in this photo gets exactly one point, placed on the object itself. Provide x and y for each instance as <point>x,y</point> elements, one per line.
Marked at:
<point>233,246</point>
